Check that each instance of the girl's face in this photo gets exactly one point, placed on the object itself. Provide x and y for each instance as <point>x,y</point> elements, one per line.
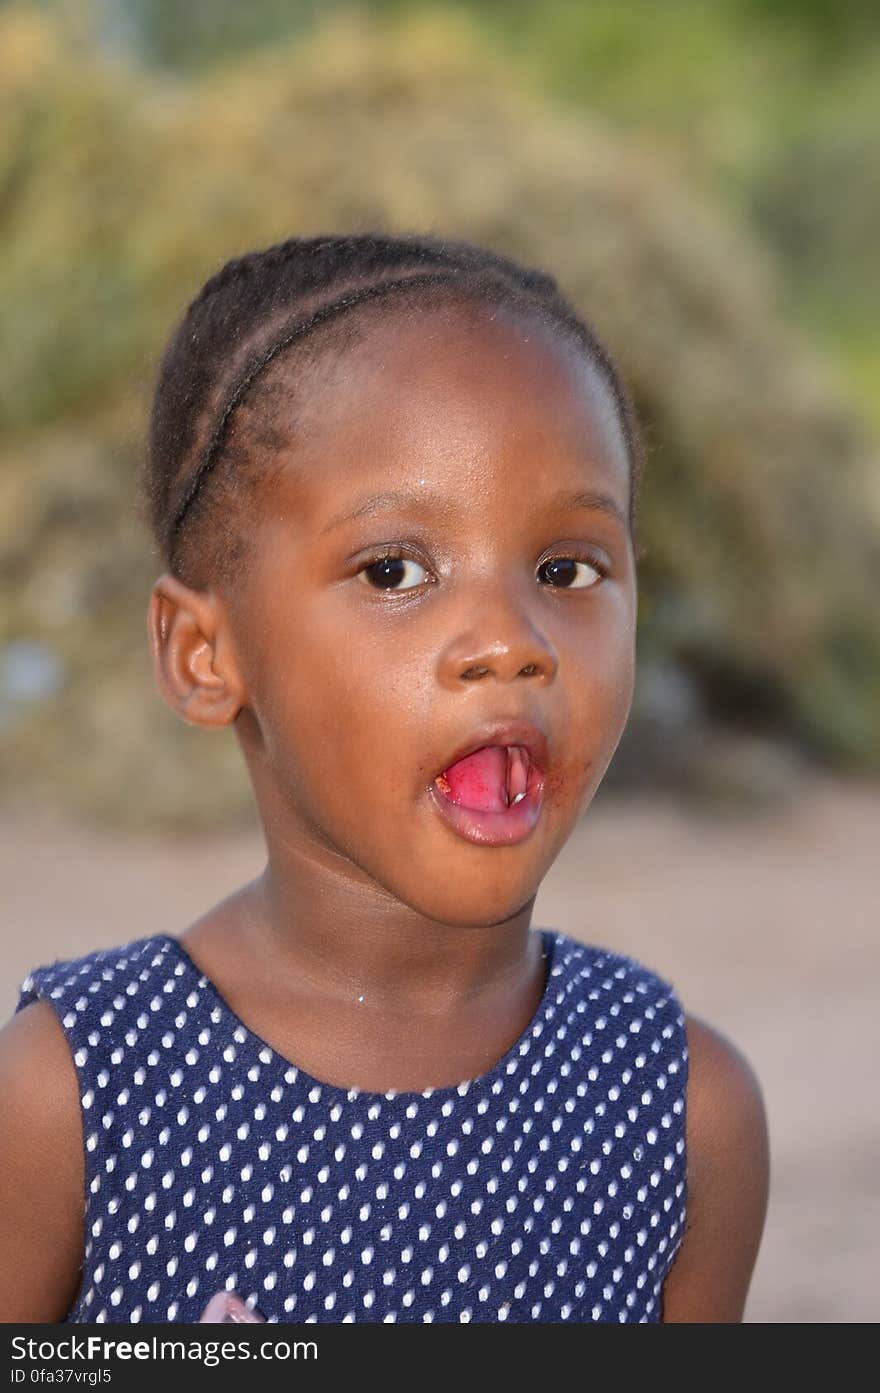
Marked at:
<point>457,446</point>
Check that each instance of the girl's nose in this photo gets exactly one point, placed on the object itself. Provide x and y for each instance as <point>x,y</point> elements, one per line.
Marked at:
<point>474,671</point>
<point>503,642</point>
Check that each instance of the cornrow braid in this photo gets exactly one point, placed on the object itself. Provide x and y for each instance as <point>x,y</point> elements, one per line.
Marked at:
<point>268,303</point>
<point>321,316</point>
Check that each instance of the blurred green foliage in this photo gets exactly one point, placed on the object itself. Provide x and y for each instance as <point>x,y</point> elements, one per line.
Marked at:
<point>124,184</point>
<point>772,106</point>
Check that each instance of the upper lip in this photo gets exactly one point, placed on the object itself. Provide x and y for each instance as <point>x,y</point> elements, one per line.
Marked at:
<point>508,732</point>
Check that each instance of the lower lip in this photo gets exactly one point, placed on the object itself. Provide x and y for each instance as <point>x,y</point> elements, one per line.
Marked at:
<point>513,825</point>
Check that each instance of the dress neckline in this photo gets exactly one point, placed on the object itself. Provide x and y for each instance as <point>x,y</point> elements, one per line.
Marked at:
<point>293,1073</point>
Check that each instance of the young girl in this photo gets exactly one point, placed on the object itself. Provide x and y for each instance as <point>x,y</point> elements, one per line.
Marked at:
<point>394,484</point>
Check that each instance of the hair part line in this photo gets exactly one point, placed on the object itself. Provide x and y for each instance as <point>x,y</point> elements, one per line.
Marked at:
<point>320,316</point>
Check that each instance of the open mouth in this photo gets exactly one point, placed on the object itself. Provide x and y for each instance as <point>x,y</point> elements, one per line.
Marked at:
<point>488,780</point>
<point>491,796</point>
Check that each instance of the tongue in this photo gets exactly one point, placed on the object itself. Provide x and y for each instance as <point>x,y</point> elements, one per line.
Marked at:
<point>482,780</point>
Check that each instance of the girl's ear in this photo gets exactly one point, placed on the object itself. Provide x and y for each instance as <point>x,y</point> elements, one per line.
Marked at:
<point>193,659</point>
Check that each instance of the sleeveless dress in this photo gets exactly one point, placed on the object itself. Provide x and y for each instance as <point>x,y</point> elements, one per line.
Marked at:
<point>550,1189</point>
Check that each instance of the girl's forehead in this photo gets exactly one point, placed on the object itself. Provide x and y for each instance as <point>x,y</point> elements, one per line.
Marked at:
<point>458,403</point>
<point>466,353</point>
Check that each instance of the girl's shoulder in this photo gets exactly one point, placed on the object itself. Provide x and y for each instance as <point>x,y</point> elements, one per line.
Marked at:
<point>41,1158</point>
<point>592,956</point>
<point>53,1044</point>
<point>93,996</point>
<point>726,1134</point>
<point>632,990</point>
<point>728,1177</point>
<point>95,971</point>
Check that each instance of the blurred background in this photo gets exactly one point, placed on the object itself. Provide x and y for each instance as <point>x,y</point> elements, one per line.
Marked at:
<point>702,180</point>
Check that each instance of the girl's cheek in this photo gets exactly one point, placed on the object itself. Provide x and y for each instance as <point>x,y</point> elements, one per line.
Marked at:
<point>567,782</point>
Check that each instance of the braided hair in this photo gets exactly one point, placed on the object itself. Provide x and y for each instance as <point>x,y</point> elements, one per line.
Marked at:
<point>212,435</point>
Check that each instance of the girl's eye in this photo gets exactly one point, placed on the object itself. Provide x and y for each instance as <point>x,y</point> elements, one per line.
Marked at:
<point>386,572</point>
<point>563,571</point>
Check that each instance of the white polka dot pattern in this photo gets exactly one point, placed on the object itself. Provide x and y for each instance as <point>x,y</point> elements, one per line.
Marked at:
<point>552,1188</point>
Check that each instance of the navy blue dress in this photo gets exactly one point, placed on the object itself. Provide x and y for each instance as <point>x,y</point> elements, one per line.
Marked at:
<point>552,1188</point>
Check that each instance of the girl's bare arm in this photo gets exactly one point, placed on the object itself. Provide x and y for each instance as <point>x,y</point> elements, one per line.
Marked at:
<point>42,1185</point>
<point>728,1181</point>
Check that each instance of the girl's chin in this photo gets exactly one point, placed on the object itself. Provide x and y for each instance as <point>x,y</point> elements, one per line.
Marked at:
<point>469,899</point>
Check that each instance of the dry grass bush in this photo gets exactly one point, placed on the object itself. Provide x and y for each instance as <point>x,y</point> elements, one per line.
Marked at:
<point>120,191</point>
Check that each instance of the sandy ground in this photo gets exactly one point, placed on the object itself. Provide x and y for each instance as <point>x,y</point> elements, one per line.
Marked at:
<point>767,927</point>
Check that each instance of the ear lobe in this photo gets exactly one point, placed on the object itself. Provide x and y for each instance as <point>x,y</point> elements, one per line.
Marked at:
<point>193,661</point>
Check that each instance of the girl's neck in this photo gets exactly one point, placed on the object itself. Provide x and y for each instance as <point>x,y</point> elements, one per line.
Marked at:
<point>358,1004</point>
<point>336,938</point>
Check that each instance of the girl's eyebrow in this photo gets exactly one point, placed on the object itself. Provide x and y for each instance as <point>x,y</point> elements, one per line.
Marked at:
<point>377,503</point>
<point>566,502</point>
